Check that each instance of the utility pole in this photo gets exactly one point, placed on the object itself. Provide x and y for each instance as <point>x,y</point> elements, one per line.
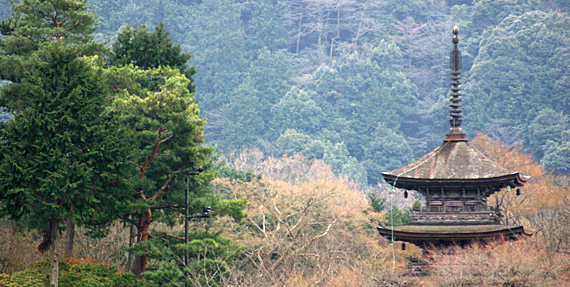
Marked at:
<point>206,214</point>
<point>186,231</point>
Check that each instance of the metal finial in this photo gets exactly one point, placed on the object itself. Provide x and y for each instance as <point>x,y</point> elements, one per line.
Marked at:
<point>455,56</point>
<point>455,132</point>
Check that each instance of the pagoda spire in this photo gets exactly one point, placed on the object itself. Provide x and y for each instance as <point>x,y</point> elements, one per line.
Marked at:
<point>455,132</point>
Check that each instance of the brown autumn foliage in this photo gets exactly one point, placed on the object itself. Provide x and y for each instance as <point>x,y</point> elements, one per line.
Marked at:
<point>543,206</point>
<point>17,247</point>
<point>514,208</point>
<point>292,169</point>
<point>307,227</point>
<point>523,263</point>
<point>18,250</point>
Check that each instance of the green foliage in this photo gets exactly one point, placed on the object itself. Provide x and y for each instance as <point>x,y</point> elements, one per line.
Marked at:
<point>492,12</point>
<point>113,14</point>
<point>270,74</point>
<point>163,115</point>
<point>557,155</point>
<point>263,25</point>
<point>153,248</point>
<point>548,130</point>
<point>396,216</point>
<point>224,171</point>
<point>35,25</point>
<point>378,203</point>
<point>167,274</point>
<point>150,50</point>
<point>296,110</point>
<point>209,255</point>
<point>385,152</point>
<point>515,72</point>
<point>293,142</point>
<point>156,106</point>
<point>28,278</point>
<point>343,164</point>
<point>363,63</point>
<point>64,154</point>
<point>350,98</point>
<point>218,48</point>
<point>243,117</point>
<point>88,275</point>
<point>79,275</point>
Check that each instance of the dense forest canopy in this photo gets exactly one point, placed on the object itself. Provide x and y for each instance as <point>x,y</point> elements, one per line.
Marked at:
<point>363,84</point>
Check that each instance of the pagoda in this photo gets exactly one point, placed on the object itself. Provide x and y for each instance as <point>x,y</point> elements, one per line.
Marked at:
<point>456,181</point>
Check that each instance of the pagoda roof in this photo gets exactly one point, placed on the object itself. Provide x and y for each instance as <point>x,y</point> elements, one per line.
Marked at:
<point>451,233</point>
<point>453,164</point>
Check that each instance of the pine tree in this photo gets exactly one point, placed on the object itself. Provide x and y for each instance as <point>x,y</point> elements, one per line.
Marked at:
<point>153,92</point>
<point>169,135</point>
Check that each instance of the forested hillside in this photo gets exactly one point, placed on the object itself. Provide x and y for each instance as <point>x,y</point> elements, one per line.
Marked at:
<point>363,84</point>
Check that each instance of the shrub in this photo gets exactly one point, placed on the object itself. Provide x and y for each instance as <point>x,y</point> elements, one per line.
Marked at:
<point>76,274</point>
<point>524,263</point>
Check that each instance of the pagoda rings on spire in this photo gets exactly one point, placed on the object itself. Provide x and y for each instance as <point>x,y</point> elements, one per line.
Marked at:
<point>455,63</point>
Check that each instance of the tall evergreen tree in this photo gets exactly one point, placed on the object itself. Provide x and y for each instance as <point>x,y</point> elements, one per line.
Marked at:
<point>169,134</point>
<point>35,25</point>
<point>63,155</point>
<point>154,94</point>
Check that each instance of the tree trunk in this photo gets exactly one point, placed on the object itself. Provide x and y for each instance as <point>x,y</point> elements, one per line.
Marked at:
<point>137,266</point>
<point>139,263</point>
<point>132,240</point>
<point>54,253</point>
<point>69,237</point>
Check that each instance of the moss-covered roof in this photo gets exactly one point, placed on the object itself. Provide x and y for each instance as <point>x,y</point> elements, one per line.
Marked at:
<point>453,164</point>
<point>452,160</point>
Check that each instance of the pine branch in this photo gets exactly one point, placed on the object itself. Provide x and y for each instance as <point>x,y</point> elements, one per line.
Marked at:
<point>159,192</point>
